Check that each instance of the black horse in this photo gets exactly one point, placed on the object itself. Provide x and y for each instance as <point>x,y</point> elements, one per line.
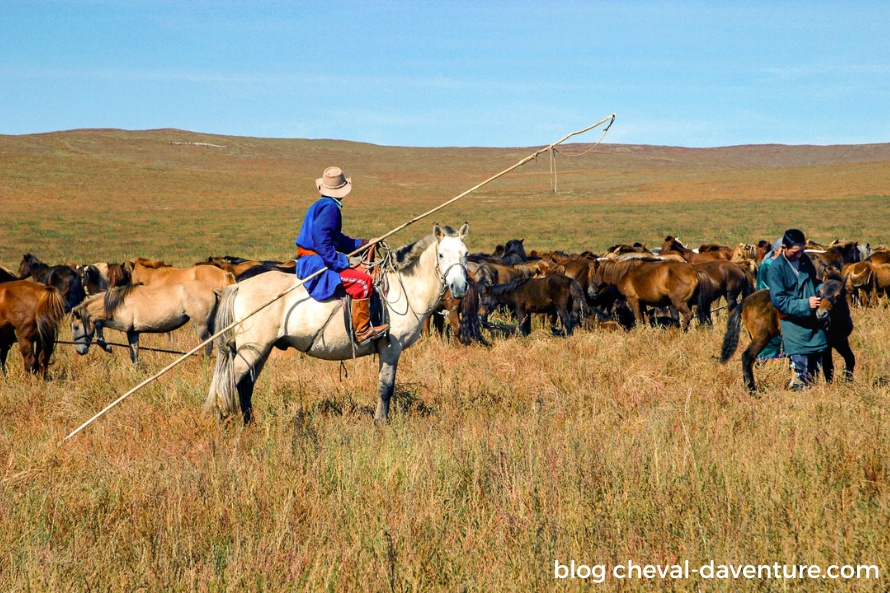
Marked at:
<point>66,278</point>
<point>762,321</point>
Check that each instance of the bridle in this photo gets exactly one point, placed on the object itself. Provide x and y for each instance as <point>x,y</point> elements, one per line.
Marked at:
<point>442,276</point>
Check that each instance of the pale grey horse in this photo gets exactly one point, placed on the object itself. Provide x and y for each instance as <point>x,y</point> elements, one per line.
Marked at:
<point>417,276</point>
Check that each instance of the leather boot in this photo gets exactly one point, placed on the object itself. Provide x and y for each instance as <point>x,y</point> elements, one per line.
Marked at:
<point>361,322</point>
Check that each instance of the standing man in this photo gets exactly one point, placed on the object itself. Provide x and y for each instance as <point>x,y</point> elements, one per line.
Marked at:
<point>322,244</point>
<point>793,285</point>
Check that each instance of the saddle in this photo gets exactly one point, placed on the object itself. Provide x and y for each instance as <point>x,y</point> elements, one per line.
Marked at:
<point>379,286</point>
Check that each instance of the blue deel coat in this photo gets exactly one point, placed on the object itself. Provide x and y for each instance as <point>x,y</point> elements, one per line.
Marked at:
<point>321,232</point>
<point>789,292</point>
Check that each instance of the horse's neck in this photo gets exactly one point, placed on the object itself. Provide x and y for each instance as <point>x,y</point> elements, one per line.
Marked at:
<point>423,288</point>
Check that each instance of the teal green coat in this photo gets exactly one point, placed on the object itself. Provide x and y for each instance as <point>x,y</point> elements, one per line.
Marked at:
<point>790,293</point>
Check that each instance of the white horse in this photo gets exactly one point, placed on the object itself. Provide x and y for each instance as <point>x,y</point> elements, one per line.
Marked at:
<point>418,277</point>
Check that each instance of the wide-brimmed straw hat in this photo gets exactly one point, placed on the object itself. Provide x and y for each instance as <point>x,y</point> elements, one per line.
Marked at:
<point>334,183</point>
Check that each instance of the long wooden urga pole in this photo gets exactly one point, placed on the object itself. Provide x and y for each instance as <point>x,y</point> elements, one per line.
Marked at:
<point>299,283</point>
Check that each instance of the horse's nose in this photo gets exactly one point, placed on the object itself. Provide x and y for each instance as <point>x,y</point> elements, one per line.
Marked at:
<point>459,289</point>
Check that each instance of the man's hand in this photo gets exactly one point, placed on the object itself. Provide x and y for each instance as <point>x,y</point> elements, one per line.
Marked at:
<point>814,302</point>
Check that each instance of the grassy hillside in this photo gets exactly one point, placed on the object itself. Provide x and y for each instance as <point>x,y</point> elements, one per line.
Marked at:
<point>99,195</point>
<point>602,448</point>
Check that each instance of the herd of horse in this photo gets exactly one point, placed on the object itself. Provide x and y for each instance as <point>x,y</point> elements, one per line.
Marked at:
<point>431,284</point>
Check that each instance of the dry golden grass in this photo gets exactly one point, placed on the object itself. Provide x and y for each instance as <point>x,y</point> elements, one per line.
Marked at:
<point>600,448</point>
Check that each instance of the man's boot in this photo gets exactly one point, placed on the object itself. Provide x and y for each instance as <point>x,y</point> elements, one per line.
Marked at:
<point>361,322</point>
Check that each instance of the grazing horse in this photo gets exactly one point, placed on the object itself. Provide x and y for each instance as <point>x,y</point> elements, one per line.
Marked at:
<point>151,275</point>
<point>137,309</point>
<point>30,313</point>
<point>462,315</point>
<point>762,320</point>
<point>513,253</point>
<point>859,279</point>
<point>556,294</point>
<point>657,283</point>
<point>418,276</point>
<point>65,278</point>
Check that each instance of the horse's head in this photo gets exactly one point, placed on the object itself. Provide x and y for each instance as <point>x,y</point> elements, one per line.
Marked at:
<point>451,258</point>
<point>833,292</point>
<point>82,329</point>
<point>27,265</point>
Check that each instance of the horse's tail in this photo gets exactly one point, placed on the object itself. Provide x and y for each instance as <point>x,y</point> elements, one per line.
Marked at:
<point>223,396</point>
<point>750,282</point>
<point>580,310</point>
<point>470,328</point>
<point>705,296</point>
<point>48,313</point>
<point>733,329</point>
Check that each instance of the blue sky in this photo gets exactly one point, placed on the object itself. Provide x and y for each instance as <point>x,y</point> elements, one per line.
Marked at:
<point>480,73</point>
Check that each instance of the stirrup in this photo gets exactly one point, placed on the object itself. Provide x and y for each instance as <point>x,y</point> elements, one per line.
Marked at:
<point>375,333</point>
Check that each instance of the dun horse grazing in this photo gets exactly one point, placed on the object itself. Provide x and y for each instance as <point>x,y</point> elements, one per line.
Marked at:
<point>762,320</point>
<point>656,283</point>
<point>65,278</point>
<point>30,313</point>
<point>147,273</point>
<point>552,295</point>
<point>418,278</point>
<point>138,309</point>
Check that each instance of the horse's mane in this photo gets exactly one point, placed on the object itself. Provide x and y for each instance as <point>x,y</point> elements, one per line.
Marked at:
<point>406,256</point>
<point>832,273</point>
<point>114,298</point>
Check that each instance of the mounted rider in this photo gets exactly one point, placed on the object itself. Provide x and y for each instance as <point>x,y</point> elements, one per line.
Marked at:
<point>322,244</point>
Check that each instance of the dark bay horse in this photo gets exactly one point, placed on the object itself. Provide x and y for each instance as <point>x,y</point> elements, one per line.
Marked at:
<point>728,280</point>
<point>656,283</point>
<point>462,315</point>
<point>762,320</point>
<point>65,278</point>
<point>7,275</point>
<point>553,295</point>
<point>30,313</point>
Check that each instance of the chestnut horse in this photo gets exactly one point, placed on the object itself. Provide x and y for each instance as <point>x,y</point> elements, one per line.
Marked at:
<point>30,313</point>
<point>762,321</point>
<point>657,283</point>
<point>673,245</point>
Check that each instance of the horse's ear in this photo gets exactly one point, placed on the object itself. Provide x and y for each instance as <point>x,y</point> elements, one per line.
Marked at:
<point>437,231</point>
<point>464,231</point>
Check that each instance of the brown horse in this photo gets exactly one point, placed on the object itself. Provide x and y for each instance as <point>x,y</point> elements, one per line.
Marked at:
<point>30,313</point>
<point>657,283</point>
<point>859,279</point>
<point>154,275</point>
<point>836,255</point>
<point>551,295</point>
<point>137,309</point>
<point>64,277</point>
<point>462,315</point>
<point>762,320</point>
<point>673,245</point>
<point>728,280</point>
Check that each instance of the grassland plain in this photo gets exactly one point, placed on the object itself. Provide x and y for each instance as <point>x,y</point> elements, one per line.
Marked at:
<point>600,448</point>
